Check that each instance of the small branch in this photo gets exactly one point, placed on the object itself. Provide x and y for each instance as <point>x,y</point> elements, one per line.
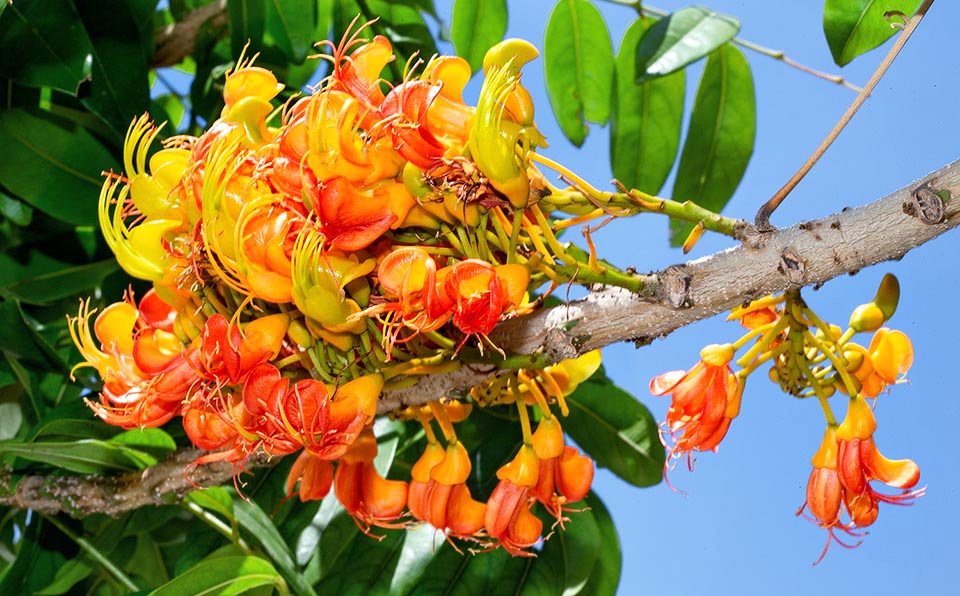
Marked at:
<point>762,219</point>
<point>177,41</point>
<point>809,253</point>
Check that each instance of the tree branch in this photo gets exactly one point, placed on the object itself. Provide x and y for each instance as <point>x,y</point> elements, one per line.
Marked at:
<point>177,41</point>
<point>808,253</point>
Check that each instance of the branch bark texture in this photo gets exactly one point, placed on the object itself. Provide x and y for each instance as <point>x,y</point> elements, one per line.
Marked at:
<point>809,253</point>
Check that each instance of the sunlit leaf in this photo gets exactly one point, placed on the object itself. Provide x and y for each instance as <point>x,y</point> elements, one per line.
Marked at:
<point>214,498</point>
<point>16,211</point>
<point>646,119</point>
<point>578,64</point>
<point>854,27</point>
<point>476,26</point>
<point>223,576</point>
<point>154,441</point>
<point>719,142</point>
<point>11,417</point>
<point>44,45</point>
<point>56,169</point>
<point>246,19</point>
<point>681,38</point>
<point>617,431</point>
<point>605,576</point>
<point>260,529</point>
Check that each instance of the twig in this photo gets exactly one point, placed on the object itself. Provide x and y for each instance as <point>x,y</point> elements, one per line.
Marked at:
<point>762,220</point>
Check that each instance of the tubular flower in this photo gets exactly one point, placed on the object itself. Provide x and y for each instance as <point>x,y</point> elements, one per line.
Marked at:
<point>439,494</point>
<point>508,519</point>
<point>859,462</point>
<point>371,499</point>
<point>705,400</point>
<point>479,294</point>
<point>564,475</point>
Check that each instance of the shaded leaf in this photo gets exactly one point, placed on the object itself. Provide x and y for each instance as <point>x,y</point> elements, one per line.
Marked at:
<point>719,142</point>
<point>16,211</point>
<point>568,558</point>
<point>87,456</point>
<point>223,576</point>
<point>617,431</point>
<point>854,27</point>
<point>578,65</point>
<point>44,45</point>
<point>646,120</point>
<point>119,89</point>
<point>15,340</point>
<point>246,19</point>
<point>55,169</point>
<point>681,38</point>
<point>463,574</point>
<point>292,24</point>
<point>45,288</point>
<point>476,25</point>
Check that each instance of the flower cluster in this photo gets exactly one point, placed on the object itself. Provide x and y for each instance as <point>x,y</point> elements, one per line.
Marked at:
<point>808,358</point>
<point>305,256</point>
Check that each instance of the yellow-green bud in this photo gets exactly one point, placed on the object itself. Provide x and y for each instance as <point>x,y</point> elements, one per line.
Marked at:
<point>888,295</point>
<point>867,317</point>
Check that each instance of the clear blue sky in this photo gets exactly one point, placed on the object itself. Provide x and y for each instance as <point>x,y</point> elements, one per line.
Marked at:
<point>736,532</point>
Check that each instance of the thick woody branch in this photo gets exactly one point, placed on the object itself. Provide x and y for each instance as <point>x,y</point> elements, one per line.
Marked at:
<point>809,253</point>
<point>177,41</point>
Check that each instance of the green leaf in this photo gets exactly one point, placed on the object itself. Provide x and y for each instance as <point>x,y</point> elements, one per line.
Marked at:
<point>15,340</point>
<point>11,417</point>
<point>119,88</point>
<point>215,498</point>
<point>16,211</point>
<point>55,169</point>
<point>578,64</point>
<point>681,38</point>
<point>720,140</point>
<point>617,431</point>
<point>48,287</point>
<point>292,23</point>
<point>854,27</point>
<point>463,574</point>
<point>246,19</point>
<point>44,45</point>
<point>645,125</point>
<point>223,576</point>
<point>605,576</point>
<point>87,456</point>
<point>153,441</point>
<point>260,529</point>
<point>567,559</point>
<point>476,26</point>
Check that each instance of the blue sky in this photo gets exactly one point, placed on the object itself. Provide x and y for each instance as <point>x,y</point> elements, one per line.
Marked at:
<point>735,532</point>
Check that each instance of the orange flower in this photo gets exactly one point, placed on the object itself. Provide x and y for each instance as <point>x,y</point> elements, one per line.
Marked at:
<point>859,462</point>
<point>371,499</point>
<point>439,494</point>
<point>564,475</point>
<point>508,519</point>
<point>705,400</point>
<point>478,293</point>
<point>314,474</point>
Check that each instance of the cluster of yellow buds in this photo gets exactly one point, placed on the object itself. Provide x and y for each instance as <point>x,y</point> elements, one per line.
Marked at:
<point>809,359</point>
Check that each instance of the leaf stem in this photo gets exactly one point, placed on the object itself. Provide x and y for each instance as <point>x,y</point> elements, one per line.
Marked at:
<point>762,219</point>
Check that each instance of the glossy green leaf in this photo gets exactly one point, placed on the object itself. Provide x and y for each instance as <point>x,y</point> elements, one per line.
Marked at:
<point>56,169</point>
<point>681,38</point>
<point>579,67</point>
<point>246,19</point>
<point>463,574</point>
<point>221,576</point>
<point>48,287</point>
<point>567,559</point>
<point>119,90</point>
<point>854,27</point>
<point>260,529</point>
<point>646,119</point>
<point>154,441</point>
<point>11,417</point>
<point>476,26</point>
<point>617,431</point>
<point>87,456</point>
<point>45,45</point>
<point>35,563</point>
<point>16,211</point>
<point>719,142</point>
<point>214,498</point>
<point>292,24</point>
<point>605,575</point>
